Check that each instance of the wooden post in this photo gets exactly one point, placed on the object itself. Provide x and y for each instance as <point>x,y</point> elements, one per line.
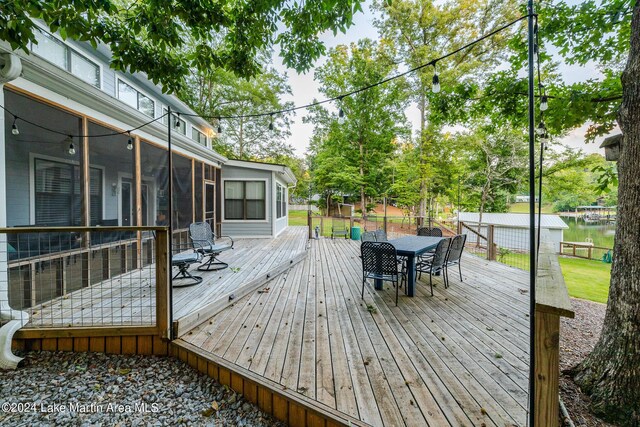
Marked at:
<point>310,224</point>
<point>85,194</point>
<point>138,189</point>
<point>384,224</point>
<point>547,351</point>
<point>491,250</point>
<point>162,283</point>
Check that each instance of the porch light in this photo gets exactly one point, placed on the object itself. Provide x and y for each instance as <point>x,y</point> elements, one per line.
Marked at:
<point>14,127</point>
<point>544,106</point>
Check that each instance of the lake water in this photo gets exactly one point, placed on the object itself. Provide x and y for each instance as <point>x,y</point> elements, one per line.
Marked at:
<point>601,234</point>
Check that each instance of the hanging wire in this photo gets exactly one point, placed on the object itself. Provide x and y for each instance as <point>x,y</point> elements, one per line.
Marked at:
<point>372,85</point>
<point>103,135</point>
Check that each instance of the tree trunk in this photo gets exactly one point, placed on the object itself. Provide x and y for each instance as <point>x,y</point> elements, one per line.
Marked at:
<point>422,207</point>
<point>611,373</point>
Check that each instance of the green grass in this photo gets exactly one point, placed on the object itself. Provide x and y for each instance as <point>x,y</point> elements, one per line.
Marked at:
<point>297,217</point>
<point>586,279</point>
<point>524,208</point>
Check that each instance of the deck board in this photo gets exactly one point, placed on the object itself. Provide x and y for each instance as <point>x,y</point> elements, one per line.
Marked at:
<point>457,358</point>
<point>129,299</point>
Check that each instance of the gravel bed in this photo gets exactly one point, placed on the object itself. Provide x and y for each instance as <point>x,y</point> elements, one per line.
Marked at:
<point>92,389</point>
<point>578,337</point>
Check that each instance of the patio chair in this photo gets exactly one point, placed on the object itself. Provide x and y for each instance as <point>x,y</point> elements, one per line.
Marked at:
<point>368,236</point>
<point>381,235</point>
<point>183,260</point>
<point>436,264</point>
<point>205,243</point>
<point>339,228</point>
<point>430,231</point>
<point>455,254</point>
<point>379,262</point>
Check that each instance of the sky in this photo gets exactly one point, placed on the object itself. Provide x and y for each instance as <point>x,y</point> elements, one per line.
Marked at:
<point>305,88</point>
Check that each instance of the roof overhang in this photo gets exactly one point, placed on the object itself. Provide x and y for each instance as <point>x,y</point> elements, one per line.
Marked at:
<point>283,170</point>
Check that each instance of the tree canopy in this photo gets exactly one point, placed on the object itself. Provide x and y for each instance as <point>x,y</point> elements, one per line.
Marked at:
<point>167,39</point>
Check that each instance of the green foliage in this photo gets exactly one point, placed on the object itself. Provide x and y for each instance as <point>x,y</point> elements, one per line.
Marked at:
<point>168,39</point>
<point>349,158</point>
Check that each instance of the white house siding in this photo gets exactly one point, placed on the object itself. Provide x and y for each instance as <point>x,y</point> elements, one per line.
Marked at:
<point>240,228</point>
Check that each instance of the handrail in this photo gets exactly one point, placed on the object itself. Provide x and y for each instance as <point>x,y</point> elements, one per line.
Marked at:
<point>473,231</point>
<point>41,229</point>
<point>552,301</point>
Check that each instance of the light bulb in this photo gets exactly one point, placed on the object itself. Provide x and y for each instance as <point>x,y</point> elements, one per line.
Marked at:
<point>435,88</point>
<point>341,116</point>
<point>219,129</point>
<point>130,145</point>
<point>544,106</point>
<point>271,123</point>
<point>544,138</point>
<point>541,129</point>
<point>14,127</point>
<point>72,149</point>
<point>177,122</point>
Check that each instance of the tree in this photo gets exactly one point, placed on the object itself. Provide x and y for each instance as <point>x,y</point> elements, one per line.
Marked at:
<point>424,30</point>
<point>247,133</point>
<point>350,156</point>
<point>611,373</point>
<point>168,39</point>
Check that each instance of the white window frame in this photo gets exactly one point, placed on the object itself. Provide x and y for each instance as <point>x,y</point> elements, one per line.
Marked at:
<point>267,201</point>
<point>68,50</point>
<point>138,92</point>
<point>204,136</point>
<point>32,179</point>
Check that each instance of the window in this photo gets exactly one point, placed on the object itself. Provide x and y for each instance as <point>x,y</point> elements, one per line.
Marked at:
<point>57,193</point>
<point>61,55</point>
<point>135,99</point>
<point>281,201</point>
<point>244,200</point>
<point>198,136</point>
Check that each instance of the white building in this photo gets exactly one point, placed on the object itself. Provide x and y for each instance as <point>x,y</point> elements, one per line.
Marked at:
<point>511,230</point>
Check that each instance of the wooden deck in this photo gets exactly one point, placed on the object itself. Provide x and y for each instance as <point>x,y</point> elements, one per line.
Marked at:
<point>129,299</point>
<point>457,358</point>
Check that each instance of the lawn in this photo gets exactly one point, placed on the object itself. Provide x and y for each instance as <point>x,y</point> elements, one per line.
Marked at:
<point>298,217</point>
<point>586,279</point>
<point>524,208</point>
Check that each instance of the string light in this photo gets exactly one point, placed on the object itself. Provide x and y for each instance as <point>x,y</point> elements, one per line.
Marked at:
<point>130,143</point>
<point>544,106</point>
<point>271,122</point>
<point>176,123</point>
<point>544,138</point>
<point>541,129</point>
<point>219,126</point>
<point>340,113</point>
<point>72,147</point>
<point>435,87</point>
<point>14,127</point>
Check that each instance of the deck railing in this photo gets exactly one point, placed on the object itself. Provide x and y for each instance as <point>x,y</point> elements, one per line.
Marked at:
<point>585,250</point>
<point>552,302</point>
<point>73,278</point>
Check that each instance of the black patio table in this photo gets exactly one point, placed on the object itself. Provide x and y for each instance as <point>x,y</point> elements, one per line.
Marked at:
<point>412,247</point>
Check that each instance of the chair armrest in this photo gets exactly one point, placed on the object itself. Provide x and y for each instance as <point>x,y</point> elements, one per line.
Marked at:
<point>226,237</point>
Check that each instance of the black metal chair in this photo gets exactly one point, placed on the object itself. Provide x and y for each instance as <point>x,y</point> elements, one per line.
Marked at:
<point>381,235</point>
<point>436,264</point>
<point>430,231</point>
<point>368,236</point>
<point>455,254</point>
<point>183,260</point>
<point>204,242</point>
<point>379,262</point>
